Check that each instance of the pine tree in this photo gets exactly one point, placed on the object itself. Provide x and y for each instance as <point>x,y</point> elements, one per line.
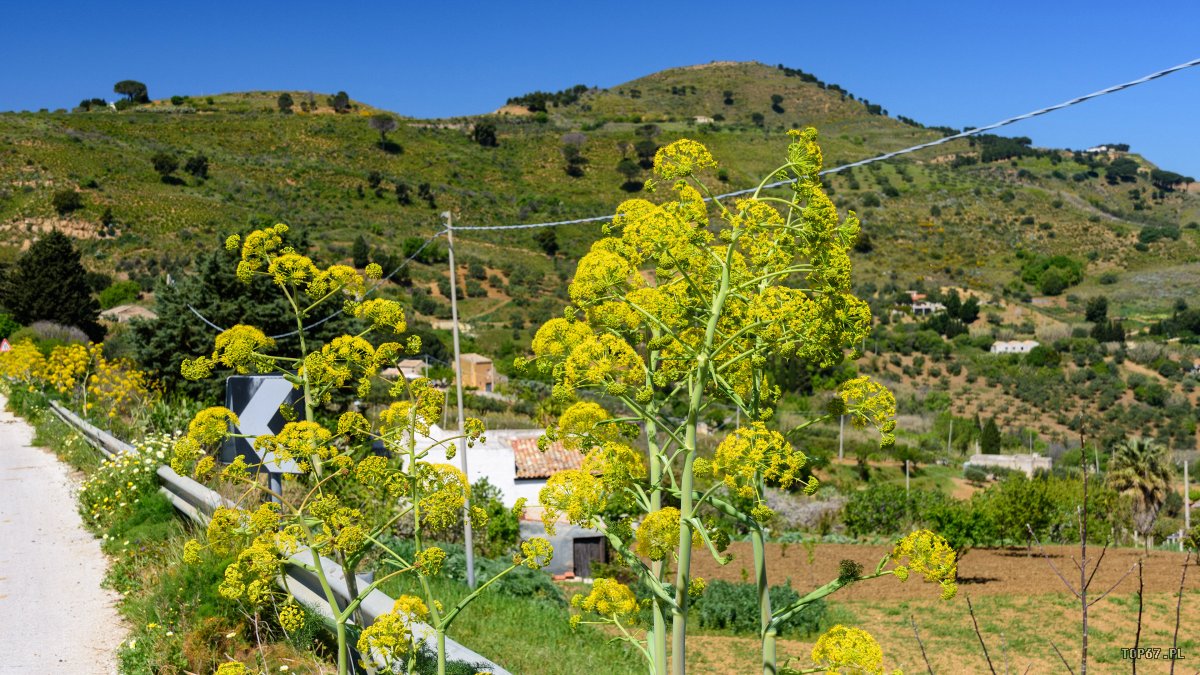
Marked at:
<point>48,283</point>
<point>989,442</point>
<point>212,288</point>
<point>361,253</point>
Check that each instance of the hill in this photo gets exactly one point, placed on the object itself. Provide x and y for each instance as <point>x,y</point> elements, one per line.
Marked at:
<point>968,214</point>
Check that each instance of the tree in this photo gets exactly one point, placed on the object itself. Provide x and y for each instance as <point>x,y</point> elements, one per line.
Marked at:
<point>728,97</point>
<point>197,165</point>
<point>66,201</point>
<point>630,169</point>
<point>384,124</point>
<point>1097,309</point>
<point>575,160</point>
<point>969,310</point>
<point>547,239</point>
<point>285,103</point>
<point>132,90</point>
<point>213,289</point>
<point>484,133</point>
<point>403,195</point>
<point>48,283</point>
<point>165,164</point>
<point>776,101</point>
<point>1122,170</point>
<point>989,440</point>
<point>757,118</point>
<point>1052,282</point>
<point>361,253</point>
<point>340,102</point>
<point>1141,470</point>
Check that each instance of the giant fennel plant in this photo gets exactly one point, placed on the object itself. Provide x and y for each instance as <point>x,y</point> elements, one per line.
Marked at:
<point>680,307</point>
<point>345,496</point>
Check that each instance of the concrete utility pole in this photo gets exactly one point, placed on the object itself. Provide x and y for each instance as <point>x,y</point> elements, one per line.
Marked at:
<point>906,478</point>
<point>462,442</point>
<point>841,433</point>
<point>950,438</point>
<point>1187,502</point>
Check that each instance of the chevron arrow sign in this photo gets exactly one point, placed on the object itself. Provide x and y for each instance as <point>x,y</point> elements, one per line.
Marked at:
<point>255,399</point>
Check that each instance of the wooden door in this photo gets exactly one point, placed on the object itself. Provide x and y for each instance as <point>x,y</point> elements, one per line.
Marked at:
<point>587,551</point>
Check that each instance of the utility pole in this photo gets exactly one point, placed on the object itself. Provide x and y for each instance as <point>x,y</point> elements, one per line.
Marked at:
<point>841,433</point>
<point>906,478</point>
<point>1187,502</point>
<point>950,438</point>
<point>462,444</point>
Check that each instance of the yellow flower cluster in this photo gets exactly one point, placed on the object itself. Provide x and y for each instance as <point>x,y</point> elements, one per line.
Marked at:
<point>658,534</point>
<point>68,366</point>
<point>118,388</point>
<point>868,402</point>
<point>391,637</point>
<point>756,453</point>
<point>610,599</point>
<point>443,489</point>
<point>23,363</point>
<point>845,649</point>
<point>291,617</point>
<point>927,554</point>
<point>682,158</point>
<point>535,553</point>
<point>575,493</point>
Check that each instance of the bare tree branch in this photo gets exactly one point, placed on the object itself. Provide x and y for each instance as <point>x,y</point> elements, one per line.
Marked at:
<point>1179,606</point>
<point>1111,588</point>
<point>913,620</point>
<point>1051,563</point>
<point>1063,658</point>
<point>1097,567</point>
<point>1137,638</point>
<point>979,635</point>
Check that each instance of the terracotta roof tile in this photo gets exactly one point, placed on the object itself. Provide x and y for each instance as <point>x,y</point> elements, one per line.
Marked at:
<point>533,463</point>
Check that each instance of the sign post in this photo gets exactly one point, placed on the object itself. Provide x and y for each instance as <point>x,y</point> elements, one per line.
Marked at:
<point>256,399</point>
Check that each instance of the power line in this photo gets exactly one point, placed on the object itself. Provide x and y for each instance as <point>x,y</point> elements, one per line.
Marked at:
<point>888,155</point>
<point>334,315</point>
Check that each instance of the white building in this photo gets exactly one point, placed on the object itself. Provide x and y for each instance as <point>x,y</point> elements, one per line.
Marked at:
<point>1025,463</point>
<point>1014,347</point>
<point>927,308</point>
<point>511,461</point>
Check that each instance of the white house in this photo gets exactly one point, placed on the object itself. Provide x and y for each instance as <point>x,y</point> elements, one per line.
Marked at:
<point>927,308</point>
<point>511,461</point>
<point>1026,463</point>
<point>1014,347</point>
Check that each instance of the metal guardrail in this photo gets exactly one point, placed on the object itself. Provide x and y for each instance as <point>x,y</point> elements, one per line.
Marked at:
<point>197,502</point>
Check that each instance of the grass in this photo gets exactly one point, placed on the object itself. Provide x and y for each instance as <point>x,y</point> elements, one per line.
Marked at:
<point>527,635</point>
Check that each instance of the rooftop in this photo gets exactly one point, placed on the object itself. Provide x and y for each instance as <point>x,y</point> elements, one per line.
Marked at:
<point>533,463</point>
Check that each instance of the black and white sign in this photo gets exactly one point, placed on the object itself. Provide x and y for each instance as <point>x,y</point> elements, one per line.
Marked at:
<point>255,399</point>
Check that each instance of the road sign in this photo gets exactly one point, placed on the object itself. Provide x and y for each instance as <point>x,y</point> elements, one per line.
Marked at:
<point>4,346</point>
<point>255,399</point>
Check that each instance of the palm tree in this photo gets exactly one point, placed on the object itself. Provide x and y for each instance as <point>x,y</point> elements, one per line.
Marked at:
<point>1141,469</point>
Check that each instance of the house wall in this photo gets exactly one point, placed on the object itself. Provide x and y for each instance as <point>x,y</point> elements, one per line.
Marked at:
<point>492,460</point>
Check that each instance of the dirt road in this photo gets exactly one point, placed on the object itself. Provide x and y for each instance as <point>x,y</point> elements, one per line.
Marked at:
<point>54,617</point>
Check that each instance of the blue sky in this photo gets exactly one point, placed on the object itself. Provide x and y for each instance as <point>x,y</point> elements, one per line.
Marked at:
<point>942,63</point>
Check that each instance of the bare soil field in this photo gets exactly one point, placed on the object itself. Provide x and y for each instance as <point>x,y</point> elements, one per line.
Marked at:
<point>1023,610</point>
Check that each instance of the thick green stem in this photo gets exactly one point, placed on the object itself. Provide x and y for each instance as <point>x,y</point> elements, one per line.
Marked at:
<point>768,632</point>
<point>441,642</point>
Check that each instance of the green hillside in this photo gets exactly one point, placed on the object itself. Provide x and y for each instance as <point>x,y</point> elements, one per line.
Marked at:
<point>940,214</point>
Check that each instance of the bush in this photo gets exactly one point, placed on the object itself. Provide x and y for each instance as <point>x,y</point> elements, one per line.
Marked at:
<point>120,293</point>
<point>734,607</point>
<point>66,201</point>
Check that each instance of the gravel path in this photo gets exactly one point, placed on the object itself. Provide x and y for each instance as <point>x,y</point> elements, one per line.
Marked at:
<point>54,617</point>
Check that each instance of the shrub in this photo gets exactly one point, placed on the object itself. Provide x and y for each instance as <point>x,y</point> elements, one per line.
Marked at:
<point>734,607</point>
<point>66,201</point>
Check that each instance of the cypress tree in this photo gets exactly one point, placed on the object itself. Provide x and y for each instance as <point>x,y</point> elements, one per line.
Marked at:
<point>49,283</point>
<point>989,442</point>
